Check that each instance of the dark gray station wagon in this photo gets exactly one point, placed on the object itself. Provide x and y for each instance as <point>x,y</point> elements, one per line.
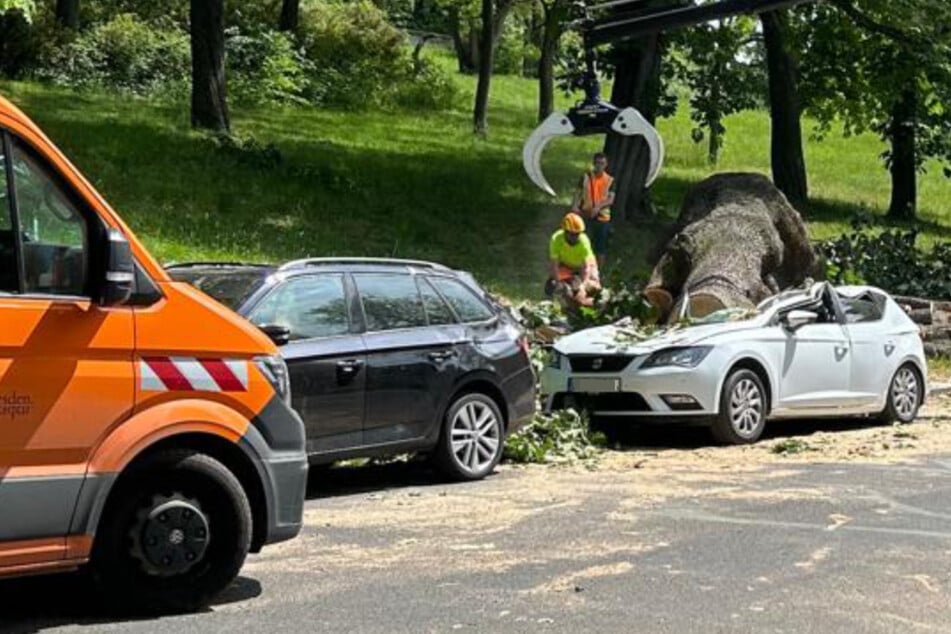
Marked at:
<point>387,356</point>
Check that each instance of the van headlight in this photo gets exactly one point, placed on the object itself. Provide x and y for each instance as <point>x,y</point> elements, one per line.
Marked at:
<point>680,357</point>
<point>275,371</point>
<point>554,359</point>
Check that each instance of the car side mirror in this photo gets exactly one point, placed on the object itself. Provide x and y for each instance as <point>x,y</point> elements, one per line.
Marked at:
<point>119,282</point>
<point>796,319</point>
<point>280,335</point>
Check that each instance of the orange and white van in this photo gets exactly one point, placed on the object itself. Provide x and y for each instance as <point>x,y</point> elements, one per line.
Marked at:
<point>145,430</point>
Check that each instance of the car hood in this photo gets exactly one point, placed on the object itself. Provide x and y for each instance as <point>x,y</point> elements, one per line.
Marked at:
<point>613,340</point>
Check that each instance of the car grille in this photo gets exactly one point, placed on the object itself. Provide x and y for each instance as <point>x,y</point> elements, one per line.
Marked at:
<point>613,402</point>
<point>599,363</point>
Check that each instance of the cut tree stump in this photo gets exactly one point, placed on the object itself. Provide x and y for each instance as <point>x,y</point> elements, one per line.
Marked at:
<point>737,241</point>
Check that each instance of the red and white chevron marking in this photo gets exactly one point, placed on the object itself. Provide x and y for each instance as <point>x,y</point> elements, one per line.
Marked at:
<point>188,374</point>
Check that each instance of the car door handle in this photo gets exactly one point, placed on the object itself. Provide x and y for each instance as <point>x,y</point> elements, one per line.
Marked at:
<point>442,355</point>
<point>889,348</point>
<point>841,351</point>
<point>349,366</point>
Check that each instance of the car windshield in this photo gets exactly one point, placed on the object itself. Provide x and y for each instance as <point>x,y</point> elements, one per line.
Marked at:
<point>231,287</point>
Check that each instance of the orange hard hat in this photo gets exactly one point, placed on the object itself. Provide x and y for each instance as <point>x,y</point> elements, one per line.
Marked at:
<point>573,223</point>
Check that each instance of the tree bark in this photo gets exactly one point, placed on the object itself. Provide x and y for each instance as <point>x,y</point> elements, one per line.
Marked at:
<point>209,98</point>
<point>703,269</point>
<point>548,47</point>
<point>67,13</point>
<point>788,161</point>
<point>903,161</point>
<point>492,20</point>
<point>290,15</point>
<point>636,83</point>
<point>462,45</point>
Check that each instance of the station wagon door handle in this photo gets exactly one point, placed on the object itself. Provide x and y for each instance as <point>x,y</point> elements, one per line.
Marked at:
<point>349,366</point>
<point>442,355</point>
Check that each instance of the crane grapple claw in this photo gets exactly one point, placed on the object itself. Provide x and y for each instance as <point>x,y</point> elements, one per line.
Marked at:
<point>587,119</point>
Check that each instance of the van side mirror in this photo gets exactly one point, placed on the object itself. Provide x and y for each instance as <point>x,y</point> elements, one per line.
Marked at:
<point>796,319</point>
<point>119,283</point>
<point>280,335</point>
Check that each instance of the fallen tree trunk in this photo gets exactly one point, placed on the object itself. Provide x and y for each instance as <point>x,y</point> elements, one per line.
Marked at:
<point>737,241</point>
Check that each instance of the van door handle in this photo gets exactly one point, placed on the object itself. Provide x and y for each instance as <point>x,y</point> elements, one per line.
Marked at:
<point>349,366</point>
<point>442,355</point>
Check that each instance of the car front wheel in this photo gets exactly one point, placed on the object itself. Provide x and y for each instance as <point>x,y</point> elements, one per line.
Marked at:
<point>904,396</point>
<point>174,534</point>
<point>743,409</point>
<point>471,441</point>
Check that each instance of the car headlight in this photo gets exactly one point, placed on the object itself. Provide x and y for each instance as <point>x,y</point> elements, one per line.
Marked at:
<point>275,371</point>
<point>681,357</point>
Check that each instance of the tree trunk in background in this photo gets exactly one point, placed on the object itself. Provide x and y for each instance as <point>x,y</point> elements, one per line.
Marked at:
<point>904,163</point>
<point>290,15</point>
<point>209,102</point>
<point>788,162</point>
<point>492,22</point>
<point>67,13</point>
<point>486,61</point>
<point>548,48</point>
<point>463,45</point>
<point>637,84</point>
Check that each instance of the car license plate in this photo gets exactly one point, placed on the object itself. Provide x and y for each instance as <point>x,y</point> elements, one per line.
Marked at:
<point>591,385</point>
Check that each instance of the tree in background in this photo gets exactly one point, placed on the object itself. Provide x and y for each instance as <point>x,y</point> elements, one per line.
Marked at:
<point>785,110</point>
<point>290,15</point>
<point>717,61</point>
<point>67,13</point>
<point>493,15</point>
<point>884,67</point>
<point>554,14</point>
<point>209,94</point>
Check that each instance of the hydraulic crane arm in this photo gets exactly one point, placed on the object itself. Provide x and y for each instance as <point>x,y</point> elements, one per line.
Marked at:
<point>625,19</point>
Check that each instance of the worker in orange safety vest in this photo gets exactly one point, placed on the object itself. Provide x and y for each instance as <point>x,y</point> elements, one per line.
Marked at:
<point>593,201</point>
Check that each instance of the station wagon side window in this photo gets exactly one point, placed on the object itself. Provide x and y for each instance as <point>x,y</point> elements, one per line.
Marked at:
<point>390,302</point>
<point>466,304</point>
<point>437,311</point>
<point>8,254</point>
<point>310,307</point>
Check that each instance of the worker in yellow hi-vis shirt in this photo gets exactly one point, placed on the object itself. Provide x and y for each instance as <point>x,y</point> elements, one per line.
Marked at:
<point>572,266</point>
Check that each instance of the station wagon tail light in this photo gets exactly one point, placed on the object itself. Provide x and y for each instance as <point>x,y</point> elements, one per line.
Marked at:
<point>679,357</point>
<point>275,371</point>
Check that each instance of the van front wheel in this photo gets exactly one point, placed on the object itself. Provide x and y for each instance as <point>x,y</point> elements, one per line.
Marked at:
<point>174,534</point>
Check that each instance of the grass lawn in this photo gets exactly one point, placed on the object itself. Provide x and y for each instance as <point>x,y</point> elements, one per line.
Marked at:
<point>403,184</point>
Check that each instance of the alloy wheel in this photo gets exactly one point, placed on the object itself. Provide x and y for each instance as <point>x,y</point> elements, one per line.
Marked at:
<point>476,437</point>
<point>746,408</point>
<point>906,394</point>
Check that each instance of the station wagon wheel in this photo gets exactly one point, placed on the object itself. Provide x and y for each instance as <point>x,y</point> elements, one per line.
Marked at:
<point>472,436</point>
<point>744,407</point>
<point>904,397</point>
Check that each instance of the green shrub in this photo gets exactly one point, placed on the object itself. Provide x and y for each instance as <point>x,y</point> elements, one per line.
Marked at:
<point>124,53</point>
<point>18,44</point>
<point>357,59</point>
<point>429,88</point>
<point>265,67</point>
<point>890,260</point>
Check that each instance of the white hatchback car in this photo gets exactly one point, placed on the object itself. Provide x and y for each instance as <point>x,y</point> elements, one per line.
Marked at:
<point>814,353</point>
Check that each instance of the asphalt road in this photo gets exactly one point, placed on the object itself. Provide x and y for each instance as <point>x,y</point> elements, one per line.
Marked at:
<point>687,546</point>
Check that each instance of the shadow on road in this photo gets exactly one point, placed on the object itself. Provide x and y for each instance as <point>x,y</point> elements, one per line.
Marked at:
<point>328,482</point>
<point>658,437</point>
<point>34,604</point>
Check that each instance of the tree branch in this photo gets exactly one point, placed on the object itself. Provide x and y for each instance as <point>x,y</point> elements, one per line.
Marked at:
<point>870,24</point>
